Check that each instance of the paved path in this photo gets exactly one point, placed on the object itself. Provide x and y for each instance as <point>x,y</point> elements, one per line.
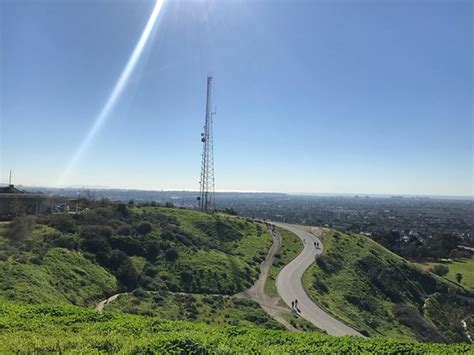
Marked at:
<point>289,285</point>
<point>257,291</point>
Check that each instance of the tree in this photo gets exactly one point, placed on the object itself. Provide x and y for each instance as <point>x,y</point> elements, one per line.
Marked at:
<point>458,277</point>
<point>127,275</point>
<point>143,228</point>
<point>116,259</point>
<point>20,228</point>
<point>171,255</point>
<point>123,210</point>
<point>439,270</point>
<point>62,222</point>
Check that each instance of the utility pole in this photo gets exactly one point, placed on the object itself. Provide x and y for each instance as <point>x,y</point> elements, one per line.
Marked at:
<point>206,191</point>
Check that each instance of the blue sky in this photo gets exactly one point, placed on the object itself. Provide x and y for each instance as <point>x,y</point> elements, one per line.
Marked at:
<point>311,96</point>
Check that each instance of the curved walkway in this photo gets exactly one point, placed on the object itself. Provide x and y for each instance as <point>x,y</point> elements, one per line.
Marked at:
<point>290,288</point>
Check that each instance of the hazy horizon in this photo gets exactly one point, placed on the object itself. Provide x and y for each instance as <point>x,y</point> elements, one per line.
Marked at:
<point>346,96</point>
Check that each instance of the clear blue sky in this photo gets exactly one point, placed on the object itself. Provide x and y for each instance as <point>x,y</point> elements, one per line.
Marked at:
<point>311,96</point>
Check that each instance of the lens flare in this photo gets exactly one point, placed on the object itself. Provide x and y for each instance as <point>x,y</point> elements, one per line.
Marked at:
<point>116,92</point>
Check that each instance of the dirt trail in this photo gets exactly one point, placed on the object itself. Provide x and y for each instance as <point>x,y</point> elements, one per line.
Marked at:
<point>100,306</point>
<point>257,291</point>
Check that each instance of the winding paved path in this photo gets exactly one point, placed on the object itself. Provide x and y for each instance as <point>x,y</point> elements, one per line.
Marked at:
<point>289,285</point>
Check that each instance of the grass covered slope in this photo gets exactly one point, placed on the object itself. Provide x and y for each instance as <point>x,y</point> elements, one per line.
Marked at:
<point>210,309</point>
<point>67,329</point>
<point>290,247</point>
<point>63,276</point>
<point>377,292</point>
<point>115,248</point>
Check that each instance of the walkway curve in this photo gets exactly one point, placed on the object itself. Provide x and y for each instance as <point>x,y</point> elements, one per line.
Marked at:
<point>289,285</point>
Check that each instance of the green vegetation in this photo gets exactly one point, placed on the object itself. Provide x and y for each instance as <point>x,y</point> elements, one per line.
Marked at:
<point>211,309</point>
<point>62,277</point>
<point>463,266</point>
<point>290,247</point>
<point>104,250</point>
<point>447,311</point>
<point>439,269</point>
<point>377,292</point>
<point>67,329</point>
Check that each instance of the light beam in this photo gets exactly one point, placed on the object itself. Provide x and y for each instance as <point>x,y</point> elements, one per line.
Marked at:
<point>116,92</point>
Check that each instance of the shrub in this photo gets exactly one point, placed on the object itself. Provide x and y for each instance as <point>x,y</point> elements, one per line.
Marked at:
<point>439,269</point>
<point>143,228</point>
<point>20,228</point>
<point>66,241</point>
<point>321,286</point>
<point>94,231</point>
<point>127,275</point>
<point>62,222</point>
<point>117,258</point>
<point>186,277</point>
<point>171,255</point>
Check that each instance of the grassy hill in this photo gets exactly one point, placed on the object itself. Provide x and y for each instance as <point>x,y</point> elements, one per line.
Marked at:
<point>81,258</point>
<point>381,294</point>
<point>67,329</point>
<point>210,309</point>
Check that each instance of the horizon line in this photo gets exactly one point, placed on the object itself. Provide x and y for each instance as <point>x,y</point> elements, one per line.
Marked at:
<point>297,193</point>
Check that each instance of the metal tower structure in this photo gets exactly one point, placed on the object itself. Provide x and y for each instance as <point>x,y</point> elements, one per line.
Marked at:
<point>206,191</point>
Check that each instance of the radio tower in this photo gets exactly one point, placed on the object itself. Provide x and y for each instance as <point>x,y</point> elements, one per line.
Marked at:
<point>206,193</point>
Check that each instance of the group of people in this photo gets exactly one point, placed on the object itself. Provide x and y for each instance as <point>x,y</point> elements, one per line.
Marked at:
<point>294,306</point>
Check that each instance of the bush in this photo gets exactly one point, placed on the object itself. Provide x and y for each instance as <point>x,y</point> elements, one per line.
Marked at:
<point>94,231</point>
<point>143,228</point>
<point>328,263</point>
<point>439,269</point>
<point>171,255</point>
<point>20,228</point>
<point>186,277</point>
<point>62,222</point>
<point>127,275</point>
<point>66,241</point>
<point>117,258</point>
<point>321,286</point>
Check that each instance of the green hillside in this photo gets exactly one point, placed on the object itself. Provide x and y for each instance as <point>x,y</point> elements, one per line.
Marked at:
<point>82,258</point>
<point>381,294</point>
<point>210,309</point>
<point>71,329</point>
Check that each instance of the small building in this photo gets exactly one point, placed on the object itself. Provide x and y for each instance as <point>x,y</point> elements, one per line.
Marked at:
<point>14,202</point>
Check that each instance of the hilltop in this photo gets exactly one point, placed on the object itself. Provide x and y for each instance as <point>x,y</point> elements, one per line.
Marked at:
<point>81,258</point>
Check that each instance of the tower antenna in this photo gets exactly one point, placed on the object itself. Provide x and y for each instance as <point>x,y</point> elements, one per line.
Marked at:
<point>10,178</point>
<point>207,188</point>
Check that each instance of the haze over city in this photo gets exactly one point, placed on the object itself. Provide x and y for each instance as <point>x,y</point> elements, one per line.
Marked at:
<point>310,96</point>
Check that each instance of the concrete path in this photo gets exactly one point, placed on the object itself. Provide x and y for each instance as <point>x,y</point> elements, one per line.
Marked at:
<point>290,288</point>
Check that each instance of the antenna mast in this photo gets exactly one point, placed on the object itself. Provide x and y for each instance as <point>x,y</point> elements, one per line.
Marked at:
<point>206,191</point>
